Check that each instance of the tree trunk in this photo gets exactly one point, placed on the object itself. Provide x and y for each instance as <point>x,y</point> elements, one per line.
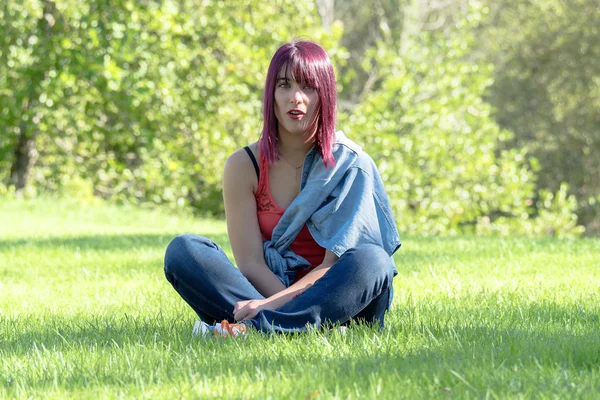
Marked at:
<point>25,156</point>
<point>326,10</point>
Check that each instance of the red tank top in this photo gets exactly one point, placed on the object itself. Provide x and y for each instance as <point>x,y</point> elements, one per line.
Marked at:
<point>269,214</point>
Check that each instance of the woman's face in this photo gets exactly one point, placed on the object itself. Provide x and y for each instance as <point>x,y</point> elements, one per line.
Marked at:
<point>296,105</point>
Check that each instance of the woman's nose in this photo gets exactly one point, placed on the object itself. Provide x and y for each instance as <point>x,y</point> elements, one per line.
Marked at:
<point>297,96</point>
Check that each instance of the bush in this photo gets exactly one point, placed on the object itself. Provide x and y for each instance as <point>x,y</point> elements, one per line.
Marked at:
<point>438,149</point>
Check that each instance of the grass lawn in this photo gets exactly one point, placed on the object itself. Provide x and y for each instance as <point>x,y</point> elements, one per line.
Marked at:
<point>85,312</point>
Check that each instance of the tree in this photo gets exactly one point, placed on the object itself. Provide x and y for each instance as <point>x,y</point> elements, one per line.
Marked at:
<point>432,136</point>
<point>144,100</point>
<point>547,90</point>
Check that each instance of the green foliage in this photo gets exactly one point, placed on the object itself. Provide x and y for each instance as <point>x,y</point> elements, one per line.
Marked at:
<point>142,102</point>
<point>144,99</point>
<point>555,217</point>
<point>434,141</point>
<point>7,192</point>
<point>547,89</point>
<point>79,190</point>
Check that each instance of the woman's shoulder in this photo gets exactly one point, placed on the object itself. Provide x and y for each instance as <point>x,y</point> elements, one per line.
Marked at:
<point>241,159</point>
<point>239,168</point>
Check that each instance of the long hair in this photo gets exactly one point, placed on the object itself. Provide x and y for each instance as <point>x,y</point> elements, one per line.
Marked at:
<point>308,63</point>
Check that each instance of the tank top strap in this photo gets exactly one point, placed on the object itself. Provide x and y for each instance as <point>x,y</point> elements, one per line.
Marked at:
<point>253,159</point>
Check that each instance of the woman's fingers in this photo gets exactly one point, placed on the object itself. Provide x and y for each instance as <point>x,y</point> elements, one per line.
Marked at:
<point>241,313</point>
<point>237,315</point>
<point>249,310</point>
<point>239,305</point>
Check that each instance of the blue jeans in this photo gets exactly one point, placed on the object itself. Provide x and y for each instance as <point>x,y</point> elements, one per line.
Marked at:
<point>357,287</point>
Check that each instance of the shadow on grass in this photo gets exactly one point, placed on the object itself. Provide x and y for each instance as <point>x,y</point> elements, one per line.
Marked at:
<point>101,242</point>
<point>466,346</point>
<point>428,250</point>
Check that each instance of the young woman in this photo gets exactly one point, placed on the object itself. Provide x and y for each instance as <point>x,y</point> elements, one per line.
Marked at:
<point>308,218</point>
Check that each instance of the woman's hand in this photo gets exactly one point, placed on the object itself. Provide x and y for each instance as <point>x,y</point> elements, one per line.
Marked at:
<point>249,308</point>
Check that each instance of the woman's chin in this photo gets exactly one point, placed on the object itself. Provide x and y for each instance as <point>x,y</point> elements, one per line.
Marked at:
<point>299,131</point>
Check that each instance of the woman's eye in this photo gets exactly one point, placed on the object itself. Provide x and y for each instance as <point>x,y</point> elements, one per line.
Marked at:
<point>283,85</point>
<point>309,88</point>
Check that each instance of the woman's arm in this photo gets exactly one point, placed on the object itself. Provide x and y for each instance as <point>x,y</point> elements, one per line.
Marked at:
<point>248,309</point>
<point>242,224</point>
<point>307,281</point>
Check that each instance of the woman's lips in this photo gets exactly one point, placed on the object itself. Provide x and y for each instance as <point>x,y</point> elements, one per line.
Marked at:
<point>299,115</point>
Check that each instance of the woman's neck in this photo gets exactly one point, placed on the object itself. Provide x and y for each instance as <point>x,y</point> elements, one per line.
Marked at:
<point>294,147</point>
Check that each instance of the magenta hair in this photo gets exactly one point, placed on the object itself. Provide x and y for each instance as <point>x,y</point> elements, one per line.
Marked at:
<point>308,63</point>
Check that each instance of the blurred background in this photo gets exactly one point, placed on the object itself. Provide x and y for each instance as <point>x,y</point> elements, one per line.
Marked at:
<point>483,116</point>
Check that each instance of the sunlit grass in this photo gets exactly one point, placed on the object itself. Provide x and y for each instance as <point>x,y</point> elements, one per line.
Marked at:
<point>85,311</point>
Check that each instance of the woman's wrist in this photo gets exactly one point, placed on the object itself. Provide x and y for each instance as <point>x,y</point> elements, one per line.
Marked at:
<point>279,299</point>
<point>263,279</point>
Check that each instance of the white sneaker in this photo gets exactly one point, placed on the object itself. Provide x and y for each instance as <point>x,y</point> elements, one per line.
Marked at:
<point>200,329</point>
<point>223,329</point>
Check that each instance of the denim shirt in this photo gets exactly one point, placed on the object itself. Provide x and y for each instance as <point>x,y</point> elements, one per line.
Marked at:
<point>343,206</point>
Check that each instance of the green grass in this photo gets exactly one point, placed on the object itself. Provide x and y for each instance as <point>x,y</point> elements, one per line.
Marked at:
<point>85,311</point>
